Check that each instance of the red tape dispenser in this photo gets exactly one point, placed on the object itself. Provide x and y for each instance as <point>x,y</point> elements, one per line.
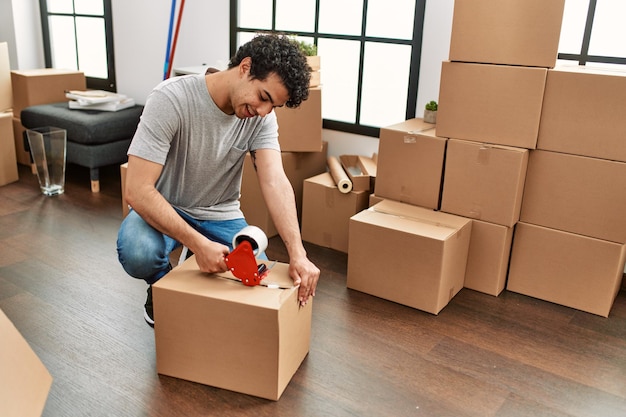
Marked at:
<point>248,242</point>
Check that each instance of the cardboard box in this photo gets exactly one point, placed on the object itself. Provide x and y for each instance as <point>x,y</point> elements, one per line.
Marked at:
<point>300,129</point>
<point>24,379</point>
<point>215,331</point>
<point>408,254</point>
<point>361,170</point>
<point>565,268</point>
<point>374,199</point>
<point>509,32</point>
<point>484,182</point>
<point>43,86</point>
<point>410,163</point>
<point>576,194</point>
<point>583,113</point>
<point>488,257</point>
<point>491,103</point>
<point>326,212</point>
<point>21,154</point>
<point>6,92</point>
<point>298,166</point>
<point>8,163</point>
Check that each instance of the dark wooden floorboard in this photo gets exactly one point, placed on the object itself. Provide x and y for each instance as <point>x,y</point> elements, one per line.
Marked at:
<point>482,356</point>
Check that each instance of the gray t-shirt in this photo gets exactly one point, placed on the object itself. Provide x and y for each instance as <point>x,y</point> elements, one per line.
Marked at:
<point>201,148</point>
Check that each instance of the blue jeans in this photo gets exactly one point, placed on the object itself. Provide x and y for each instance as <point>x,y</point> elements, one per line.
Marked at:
<point>144,252</point>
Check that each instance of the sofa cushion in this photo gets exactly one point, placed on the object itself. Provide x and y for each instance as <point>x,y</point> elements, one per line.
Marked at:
<point>84,126</point>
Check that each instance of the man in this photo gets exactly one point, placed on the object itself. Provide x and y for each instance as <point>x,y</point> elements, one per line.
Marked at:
<point>185,162</point>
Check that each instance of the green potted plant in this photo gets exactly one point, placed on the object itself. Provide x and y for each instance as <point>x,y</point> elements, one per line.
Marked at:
<point>430,112</point>
<point>310,50</point>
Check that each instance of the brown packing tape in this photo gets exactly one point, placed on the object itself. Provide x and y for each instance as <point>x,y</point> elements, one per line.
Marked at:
<point>339,175</point>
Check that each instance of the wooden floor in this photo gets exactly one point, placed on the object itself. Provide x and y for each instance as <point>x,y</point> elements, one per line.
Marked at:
<point>63,288</point>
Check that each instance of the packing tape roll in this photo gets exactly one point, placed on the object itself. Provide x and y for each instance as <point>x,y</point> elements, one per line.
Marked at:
<point>339,175</point>
<point>254,235</point>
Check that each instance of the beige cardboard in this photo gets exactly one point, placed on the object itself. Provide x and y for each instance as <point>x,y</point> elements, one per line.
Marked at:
<point>361,170</point>
<point>8,162</point>
<point>300,129</point>
<point>298,167</point>
<point>510,32</point>
<point>408,254</point>
<point>583,113</point>
<point>410,163</point>
<point>43,86</point>
<point>215,331</point>
<point>21,154</point>
<point>488,257</point>
<point>576,194</point>
<point>6,92</point>
<point>24,380</point>
<point>565,268</point>
<point>497,104</point>
<point>484,182</point>
<point>326,212</point>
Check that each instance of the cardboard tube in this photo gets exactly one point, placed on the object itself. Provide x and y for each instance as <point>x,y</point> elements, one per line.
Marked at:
<point>339,175</point>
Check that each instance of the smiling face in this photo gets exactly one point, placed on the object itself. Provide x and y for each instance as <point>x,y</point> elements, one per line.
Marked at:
<point>252,97</point>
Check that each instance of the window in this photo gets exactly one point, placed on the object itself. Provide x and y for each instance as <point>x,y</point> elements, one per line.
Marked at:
<point>370,52</point>
<point>593,33</point>
<point>78,35</point>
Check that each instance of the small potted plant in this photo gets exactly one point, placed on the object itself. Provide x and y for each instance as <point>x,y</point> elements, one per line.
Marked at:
<point>310,50</point>
<point>430,112</point>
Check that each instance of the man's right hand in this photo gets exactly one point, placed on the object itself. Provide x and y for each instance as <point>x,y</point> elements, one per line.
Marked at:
<point>210,256</point>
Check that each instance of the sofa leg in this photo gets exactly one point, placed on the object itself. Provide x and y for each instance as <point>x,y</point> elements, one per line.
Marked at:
<point>94,173</point>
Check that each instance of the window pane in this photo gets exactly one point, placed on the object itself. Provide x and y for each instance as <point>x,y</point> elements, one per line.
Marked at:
<point>256,14</point>
<point>390,18</point>
<point>573,27</point>
<point>340,73</point>
<point>295,16</point>
<point>60,6</point>
<point>340,17</point>
<point>609,32</point>
<point>92,52</point>
<point>385,81</point>
<point>245,37</point>
<point>62,42</point>
<point>90,7</point>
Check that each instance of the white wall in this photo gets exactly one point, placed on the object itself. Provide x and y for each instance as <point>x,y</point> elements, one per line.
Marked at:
<point>140,29</point>
<point>20,27</point>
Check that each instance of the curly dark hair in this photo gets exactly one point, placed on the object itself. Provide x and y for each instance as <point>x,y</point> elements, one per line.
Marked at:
<point>274,53</point>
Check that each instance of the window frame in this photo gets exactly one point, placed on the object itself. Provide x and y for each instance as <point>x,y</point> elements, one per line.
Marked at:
<point>107,84</point>
<point>415,61</point>
<point>583,57</point>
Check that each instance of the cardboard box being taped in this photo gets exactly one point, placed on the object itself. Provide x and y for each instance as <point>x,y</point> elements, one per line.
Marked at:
<point>216,331</point>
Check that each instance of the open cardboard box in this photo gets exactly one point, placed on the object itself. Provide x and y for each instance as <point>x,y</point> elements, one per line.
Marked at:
<point>361,170</point>
<point>212,329</point>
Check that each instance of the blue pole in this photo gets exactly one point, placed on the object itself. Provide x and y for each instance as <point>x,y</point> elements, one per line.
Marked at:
<point>169,41</point>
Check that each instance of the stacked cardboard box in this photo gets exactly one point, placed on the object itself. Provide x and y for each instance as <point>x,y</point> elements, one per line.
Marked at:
<point>327,208</point>
<point>39,86</point>
<point>402,248</point>
<point>569,246</point>
<point>303,154</point>
<point>8,163</point>
<point>568,243</point>
<point>490,105</point>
